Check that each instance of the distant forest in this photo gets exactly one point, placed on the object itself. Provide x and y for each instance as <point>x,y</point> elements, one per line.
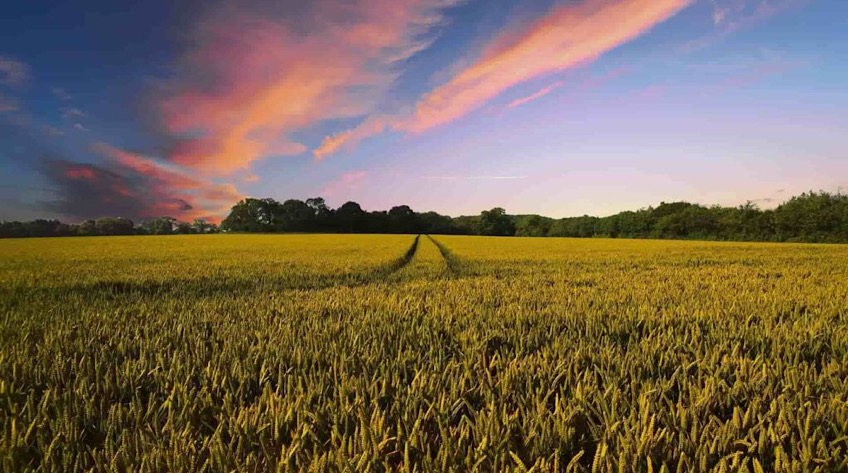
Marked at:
<point>809,217</point>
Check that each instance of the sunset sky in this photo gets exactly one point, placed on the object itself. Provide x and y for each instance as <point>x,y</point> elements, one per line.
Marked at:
<point>556,107</point>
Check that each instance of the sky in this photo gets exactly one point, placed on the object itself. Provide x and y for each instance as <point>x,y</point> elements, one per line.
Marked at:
<point>554,107</point>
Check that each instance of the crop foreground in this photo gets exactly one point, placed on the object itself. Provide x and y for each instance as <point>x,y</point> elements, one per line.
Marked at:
<point>404,353</point>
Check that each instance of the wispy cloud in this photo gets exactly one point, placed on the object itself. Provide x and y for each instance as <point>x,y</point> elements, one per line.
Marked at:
<point>536,95</point>
<point>729,16</point>
<point>371,126</point>
<point>12,71</point>
<point>736,13</point>
<point>117,182</point>
<point>71,112</point>
<point>53,130</point>
<point>61,94</point>
<point>169,189</point>
<point>567,36</point>
<point>346,183</point>
<point>249,81</point>
<point>86,190</point>
<point>8,104</point>
<point>473,178</point>
<point>131,185</point>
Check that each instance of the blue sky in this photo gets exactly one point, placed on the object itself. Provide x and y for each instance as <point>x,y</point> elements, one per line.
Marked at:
<point>539,106</point>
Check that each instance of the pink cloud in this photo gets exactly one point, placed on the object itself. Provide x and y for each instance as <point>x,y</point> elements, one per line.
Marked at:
<point>537,95</point>
<point>566,37</point>
<point>80,172</point>
<point>248,81</point>
<point>173,189</point>
<point>331,144</point>
<point>347,182</point>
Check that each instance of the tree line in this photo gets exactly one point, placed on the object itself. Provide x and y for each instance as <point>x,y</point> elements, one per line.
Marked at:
<point>103,227</point>
<point>809,217</point>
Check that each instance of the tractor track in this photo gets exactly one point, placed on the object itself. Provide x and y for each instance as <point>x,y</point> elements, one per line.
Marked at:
<point>453,263</point>
<point>404,260</point>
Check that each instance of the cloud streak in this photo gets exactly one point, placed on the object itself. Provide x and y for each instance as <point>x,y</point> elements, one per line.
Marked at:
<point>730,16</point>
<point>250,81</point>
<point>172,189</point>
<point>567,36</point>
<point>134,186</point>
<point>537,95</point>
<point>474,178</point>
<point>90,191</point>
<point>333,143</point>
<point>247,80</point>
<point>347,182</point>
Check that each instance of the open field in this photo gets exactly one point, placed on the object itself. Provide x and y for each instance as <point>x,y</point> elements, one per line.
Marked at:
<point>404,353</point>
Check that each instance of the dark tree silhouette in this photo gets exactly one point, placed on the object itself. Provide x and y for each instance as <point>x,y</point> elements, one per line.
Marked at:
<point>809,217</point>
<point>403,220</point>
<point>350,218</point>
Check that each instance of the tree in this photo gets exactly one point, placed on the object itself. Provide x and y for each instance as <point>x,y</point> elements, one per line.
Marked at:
<point>402,219</point>
<point>533,226</point>
<point>294,216</point>
<point>87,228</point>
<point>184,228</point>
<point>467,224</point>
<point>350,218</point>
<point>813,216</point>
<point>432,222</point>
<point>202,226</point>
<point>251,215</point>
<point>114,226</point>
<point>41,228</point>
<point>322,214</point>
<point>318,206</point>
<point>496,222</point>
<point>159,226</point>
<point>688,222</point>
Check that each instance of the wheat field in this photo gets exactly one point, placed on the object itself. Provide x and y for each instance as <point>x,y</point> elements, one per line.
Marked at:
<point>416,353</point>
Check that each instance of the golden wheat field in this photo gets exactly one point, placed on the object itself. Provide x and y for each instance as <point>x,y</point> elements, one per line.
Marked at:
<point>387,353</point>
